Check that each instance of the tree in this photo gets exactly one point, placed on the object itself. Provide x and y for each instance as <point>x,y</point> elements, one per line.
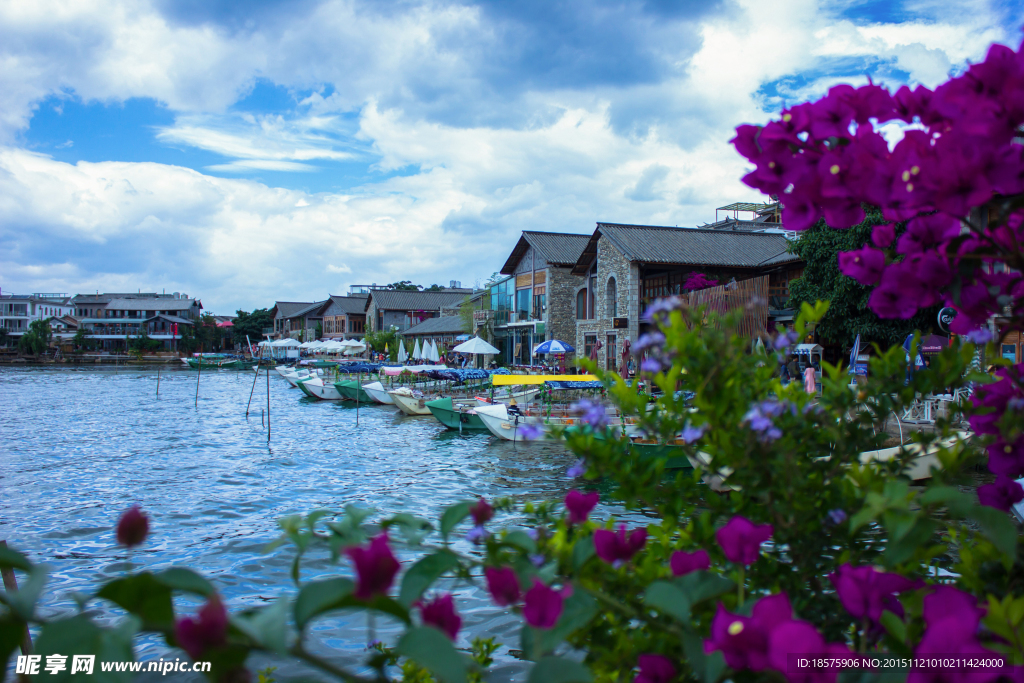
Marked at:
<point>251,325</point>
<point>378,340</point>
<point>319,330</point>
<point>404,286</point>
<point>81,339</point>
<point>434,288</point>
<point>466,309</point>
<point>37,339</point>
<point>3,336</point>
<point>848,314</point>
<point>207,334</point>
<point>143,342</point>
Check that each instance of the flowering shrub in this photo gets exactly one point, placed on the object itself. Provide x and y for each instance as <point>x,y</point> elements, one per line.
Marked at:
<point>785,536</point>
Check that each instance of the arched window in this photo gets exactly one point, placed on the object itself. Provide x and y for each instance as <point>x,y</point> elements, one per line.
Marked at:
<point>612,306</point>
<point>581,304</point>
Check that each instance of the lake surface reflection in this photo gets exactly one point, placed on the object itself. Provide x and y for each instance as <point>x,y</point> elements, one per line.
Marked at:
<point>81,445</point>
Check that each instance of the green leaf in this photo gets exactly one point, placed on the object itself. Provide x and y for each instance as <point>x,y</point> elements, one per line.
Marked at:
<point>582,551</point>
<point>78,635</point>
<point>902,548</point>
<point>10,558</point>
<point>425,572</point>
<point>998,527</point>
<point>558,670</point>
<point>668,599</point>
<point>894,626</point>
<point>144,596</point>
<point>521,539</point>
<point>12,630</point>
<point>701,585</point>
<point>451,517</point>
<point>186,580</point>
<point>707,668</point>
<point>432,650</point>
<point>267,626</point>
<point>23,601</point>
<point>317,597</point>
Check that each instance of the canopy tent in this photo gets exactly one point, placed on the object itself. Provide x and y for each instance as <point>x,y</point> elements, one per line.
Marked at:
<point>475,345</point>
<point>289,342</point>
<point>352,346</point>
<point>309,345</point>
<point>265,342</point>
<point>553,346</point>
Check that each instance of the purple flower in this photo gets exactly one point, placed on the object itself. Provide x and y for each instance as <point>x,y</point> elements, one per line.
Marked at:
<point>577,469</point>
<point>883,235</point>
<point>744,640</point>
<point>797,638</point>
<point>530,432</point>
<point>952,618</point>
<point>741,539</point>
<point>980,336</point>
<point>683,563</point>
<point>1007,459</point>
<point>651,365</point>
<point>691,434</point>
<point>863,265</point>
<point>440,613</point>
<point>537,560</point>
<point>616,547</point>
<point>592,413</point>
<point>477,534</point>
<point>133,527</point>
<point>503,585</point>
<point>654,669</point>
<point>660,309</point>
<point>758,418</point>
<point>786,339</point>
<point>482,512</point>
<point>208,630</point>
<point>648,340</point>
<point>837,516</point>
<point>580,504</point>
<point>867,592</point>
<point>375,567</point>
<point>1001,494</point>
<point>542,606</point>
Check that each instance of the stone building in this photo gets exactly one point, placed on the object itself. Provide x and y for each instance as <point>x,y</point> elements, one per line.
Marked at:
<point>535,303</point>
<point>623,268</point>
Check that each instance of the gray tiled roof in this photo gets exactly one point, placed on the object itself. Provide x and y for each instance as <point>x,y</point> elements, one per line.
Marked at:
<point>449,324</point>
<point>346,304</point>
<point>693,246</point>
<point>160,304</point>
<point>313,308</point>
<point>287,309</point>
<point>558,248</point>
<point>399,300</point>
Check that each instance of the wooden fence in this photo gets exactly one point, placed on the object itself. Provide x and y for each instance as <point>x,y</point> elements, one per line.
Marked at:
<point>749,295</point>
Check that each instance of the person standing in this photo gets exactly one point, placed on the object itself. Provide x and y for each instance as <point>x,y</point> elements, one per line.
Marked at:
<point>810,381</point>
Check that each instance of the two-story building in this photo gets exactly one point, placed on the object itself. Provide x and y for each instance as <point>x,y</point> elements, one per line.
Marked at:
<point>536,302</point>
<point>18,311</point>
<point>112,319</point>
<point>623,268</point>
<point>344,317</point>
<point>297,319</point>
<point>402,309</point>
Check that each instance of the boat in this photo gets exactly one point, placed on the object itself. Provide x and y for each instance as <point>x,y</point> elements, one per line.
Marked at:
<point>410,402</point>
<point>414,402</point>
<point>456,415</point>
<point>377,392</point>
<point>352,390</point>
<point>505,422</point>
<point>315,387</point>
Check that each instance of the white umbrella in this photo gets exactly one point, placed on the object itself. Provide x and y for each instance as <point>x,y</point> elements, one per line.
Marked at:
<point>475,345</point>
<point>434,356</point>
<point>416,353</point>
<point>403,355</point>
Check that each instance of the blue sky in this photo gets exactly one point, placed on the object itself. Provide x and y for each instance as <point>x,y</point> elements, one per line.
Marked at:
<point>248,152</point>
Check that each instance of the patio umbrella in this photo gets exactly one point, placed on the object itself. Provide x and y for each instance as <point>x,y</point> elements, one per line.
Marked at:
<point>625,352</point>
<point>853,355</point>
<point>403,355</point>
<point>553,346</point>
<point>475,345</point>
<point>436,355</point>
<point>416,353</point>
<point>594,349</point>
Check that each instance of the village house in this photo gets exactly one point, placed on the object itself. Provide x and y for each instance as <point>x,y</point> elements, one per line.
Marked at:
<point>402,309</point>
<point>535,303</point>
<point>297,319</point>
<point>623,268</point>
<point>111,318</point>
<point>344,317</point>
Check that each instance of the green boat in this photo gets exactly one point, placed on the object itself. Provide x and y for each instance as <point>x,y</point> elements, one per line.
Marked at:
<point>352,390</point>
<point>303,389</point>
<point>444,410</point>
<point>674,456</point>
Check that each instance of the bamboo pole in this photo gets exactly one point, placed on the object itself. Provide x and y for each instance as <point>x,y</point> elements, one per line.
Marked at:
<point>268,406</point>
<point>257,376</point>
<point>158,381</point>
<point>198,377</point>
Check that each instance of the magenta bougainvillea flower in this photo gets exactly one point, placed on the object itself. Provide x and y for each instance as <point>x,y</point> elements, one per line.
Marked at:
<point>951,620</point>
<point>482,512</point>
<point>208,630</point>
<point>863,265</point>
<point>542,605</point>
<point>683,563</point>
<point>741,539</point>
<point>133,527</point>
<point>440,613</point>
<point>503,585</point>
<point>798,638</point>
<point>866,592</point>
<point>618,547</point>
<point>580,504</point>
<point>376,567</point>
<point>654,669</point>
<point>1001,494</point>
<point>744,640</point>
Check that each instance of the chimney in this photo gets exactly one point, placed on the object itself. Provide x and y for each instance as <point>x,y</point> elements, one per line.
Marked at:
<point>176,295</point>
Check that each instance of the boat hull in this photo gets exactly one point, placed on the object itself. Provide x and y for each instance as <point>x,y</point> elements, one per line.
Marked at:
<point>350,390</point>
<point>447,413</point>
<point>376,391</point>
<point>409,404</point>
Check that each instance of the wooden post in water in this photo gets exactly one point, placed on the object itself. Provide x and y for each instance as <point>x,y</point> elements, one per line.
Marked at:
<point>197,379</point>
<point>11,585</point>
<point>268,406</point>
<point>359,385</point>
<point>256,377</point>
<point>158,381</point>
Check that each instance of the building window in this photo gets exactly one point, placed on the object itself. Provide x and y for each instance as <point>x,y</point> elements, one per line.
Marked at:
<point>612,307</point>
<point>581,304</point>
<point>589,341</point>
<point>611,353</point>
<point>539,302</point>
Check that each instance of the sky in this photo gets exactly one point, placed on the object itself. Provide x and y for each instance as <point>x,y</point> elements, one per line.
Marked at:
<point>250,152</point>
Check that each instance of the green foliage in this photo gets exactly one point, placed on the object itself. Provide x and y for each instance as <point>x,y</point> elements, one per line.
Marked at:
<point>81,340</point>
<point>848,313</point>
<point>3,336</point>
<point>143,343</point>
<point>378,339</point>
<point>404,286</point>
<point>37,338</point>
<point>319,330</point>
<point>251,324</point>
<point>466,309</point>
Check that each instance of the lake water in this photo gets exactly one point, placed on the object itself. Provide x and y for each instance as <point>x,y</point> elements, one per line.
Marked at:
<point>81,445</point>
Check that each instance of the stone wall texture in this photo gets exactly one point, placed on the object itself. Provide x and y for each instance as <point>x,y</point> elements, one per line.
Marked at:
<point>612,264</point>
<point>560,318</point>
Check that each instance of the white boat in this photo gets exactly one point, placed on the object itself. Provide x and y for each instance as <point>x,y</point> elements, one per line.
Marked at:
<point>316,388</point>
<point>506,424</point>
<point>414,402</point>
<point>410,402</point>
<point>378,393</point>
<point>294,377</point>
<point>283,369</point>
